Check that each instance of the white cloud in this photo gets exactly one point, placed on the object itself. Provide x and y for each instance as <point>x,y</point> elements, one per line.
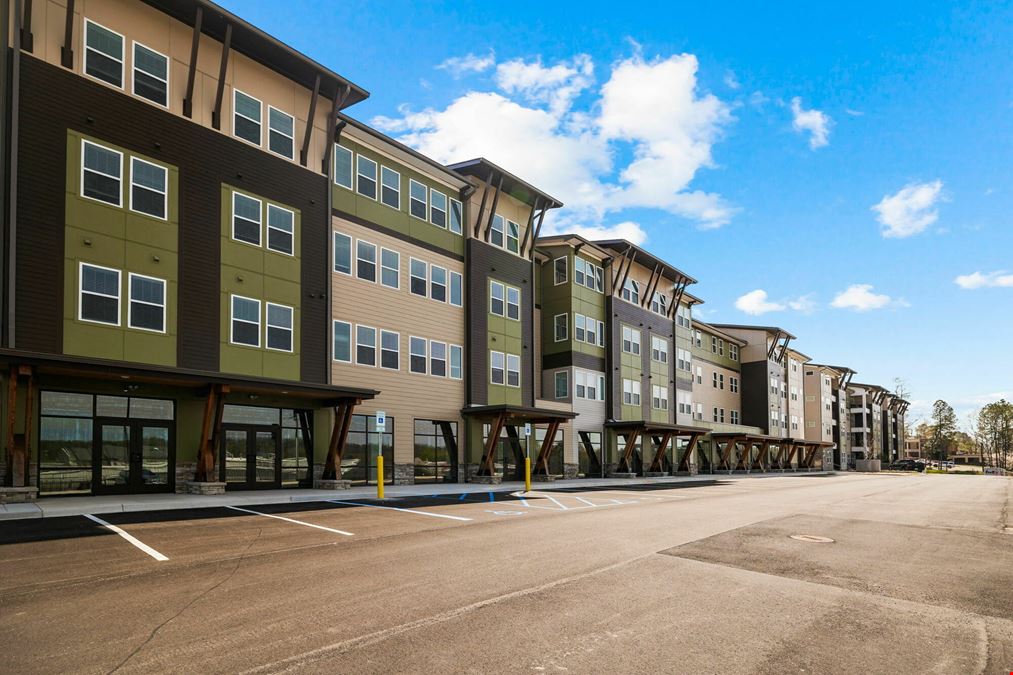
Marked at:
<point>638,143</point>
<point>628,230</point>
<point>860,298</point>
<point>458,66</point>
<point>854,113</point>
<point>757,302</point>
<point>975,280</point>
<point>731,81</point>
<point>815,122</point>
<point>804,304</point>
<point>910,210</point>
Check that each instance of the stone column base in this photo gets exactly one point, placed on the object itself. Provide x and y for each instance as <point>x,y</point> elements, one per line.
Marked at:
<point>542,478</point>
<point>570,471</point>
<point>321,484</point>
<point>204,488</point>
<point>622,475</point>
<point>487,480</point>
<point>18,495</point>
<point>655,474</point>
<point>404,474</point>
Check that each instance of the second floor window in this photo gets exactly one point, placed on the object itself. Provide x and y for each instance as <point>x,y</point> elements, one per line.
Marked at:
<point>631,340</point>
<point>246,115</point>
<point>513,364</point>
<point>365,254</point>
<point>342,253</point>
<point>417,355</point>
<point>246,218</point>
<point>496,298</point>
<point>148,188</point>
<point>496,232</point>
<point>497,367</point>
<point>513,305</point>
<point>437,358</point>
<point>561,331</point>
<point>438,283</point>
<point>562,384</point>
<point>100,295</point>
<point>631,392</point>
<point>280,229</point>
<point>147,303</point>
<point>101,173</point>
<point>419,277</point>
<point>245,321</point>
<point>279,327</point>
<point>659,349</point>
<point>390,268</point>
<point>151,75</point>
<point>390,350</point>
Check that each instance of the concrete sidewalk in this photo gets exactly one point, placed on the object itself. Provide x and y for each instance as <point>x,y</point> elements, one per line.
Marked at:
<point>54,507</point>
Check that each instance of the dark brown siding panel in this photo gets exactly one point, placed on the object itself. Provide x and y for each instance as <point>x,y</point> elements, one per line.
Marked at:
<point>572,358</point>
<point>755,386</point>
<point>205,159</point>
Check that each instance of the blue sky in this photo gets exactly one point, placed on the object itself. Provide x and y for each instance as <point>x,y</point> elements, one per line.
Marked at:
<point>735,140</point>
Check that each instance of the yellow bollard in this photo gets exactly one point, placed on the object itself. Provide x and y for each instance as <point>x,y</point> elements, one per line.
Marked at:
<point>527,474</point>
<point>379,476</point>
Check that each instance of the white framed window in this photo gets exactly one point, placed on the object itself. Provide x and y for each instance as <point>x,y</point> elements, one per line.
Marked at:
<point>601,387</point>
<point>342,341</point>
<point>149,187</point>
<point>684,400</point>
<point>365,345</point>
<point>438,283</point>
<point>561,383</point>
<point>699,374</point>
<point>659,304</point>
<point>456,289</point>
<point>437,358</point>
<point>497,367</point>
<point>683,360</point>
<point>599,279</point>
<point>513,367</point>
<point>456,362</point>
<point>513,303</point>
<point>103,53</point>
<point>734,414</point>
<point>631,340</point>
<point>497,298</point>
<point>146,310</point>
<point>280,133</point>
<point>418,355</point>
<point>438,208</point>
<point>390,188</point>
<point>721,347</point>
<point>456,216</point>
<point>343,166</point>
<point>578,327</point>
<point>733,384</point>
<point>699,411</point>
<point>631,292</point>
<point>631,392</point>
<point>280,230</point>
<point>365,260</point>
<point>601,333</point>
<point>279,327</point>
<point>99,299</point>
<point>659,397</point>
<point>560,330</point>
<point>151,75</point>
<point>590,335</point>
<point>697,339</point>
<point>683,316</point>
<point>513,237</point>
<point>365,176</point>
<point>733,352</point>
<point>390,350</point>
<point>246,218</point>
<point>418,277</point>
<point>714,345</point>
<point>579,384</point>
<point>246,117</point>
<point>417,194</point>
<point>342,253</point>
<point>578,271</point>
<point>497,231</point>
<point>245,328</point>
<point>559,267</point>
<point>659,349</point>
<point>101,173</point>
<point>390,268</point>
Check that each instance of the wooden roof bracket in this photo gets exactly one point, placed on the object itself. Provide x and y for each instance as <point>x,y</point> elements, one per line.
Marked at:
<point>304,151</point>
<point>651,283</point>
<point>191,70</point>
<point>216,114</point>
<point>481,207</point>
<point>492,210</point>
<point>66,49</point>
<point>626,274</point>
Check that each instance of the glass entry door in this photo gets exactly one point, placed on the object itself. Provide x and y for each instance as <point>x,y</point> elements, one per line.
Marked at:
<point>132,456</point>
<point>251,457</point>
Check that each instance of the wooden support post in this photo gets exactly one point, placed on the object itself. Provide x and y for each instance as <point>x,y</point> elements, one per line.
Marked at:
<point>29,418</point>
<point>515,446</point>
<point>761,458</point>
<point>191,72</point>
<point>492,211</point>
<point>488,466</point>
<point>723,461</point>
<point>451,442</point>
<point>205,462</point>
<point>12,405</point>
<point>67,49</point>
<point>542,463</point>
<point>308,134</point>
<point>694,440</point>
<point>593,460</point>
<point>792,448</point>
<point>216,113</point>
<point>481,206</point>
<point>658,463</point>
<point>26,28</point>
<point>528,229</point>
<point>624,461</point>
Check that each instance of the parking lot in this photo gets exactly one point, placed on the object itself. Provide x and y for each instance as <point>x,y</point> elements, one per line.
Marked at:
<point>695,577</point>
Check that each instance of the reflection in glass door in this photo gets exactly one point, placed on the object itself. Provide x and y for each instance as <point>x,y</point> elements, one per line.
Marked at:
<point>265,456</point>
<point>250,457</point>
<point>235,456</point>
<point>114,455</point>
<point>132,456</point>
<point>154,455</point>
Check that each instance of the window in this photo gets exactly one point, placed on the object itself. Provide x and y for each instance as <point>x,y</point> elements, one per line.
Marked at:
<point>456,362</point>
<point>438,283</point>
<point>659,305</point>
<point>342,166</point>
<point>719,415</point>
<point>151,75</point>
<point>456,289</point>
<point>559,271</point>
<point>418,281</point>
<point>578,271</point>
<point>437,358</point>
<point>417,355</point>
<point>721,381</point>
<point>496,298</point>
<point>438,208</point>
<point>699,411</point>
<point>683,316</point>
<point>659,397</point>
<point>417,199</point>
<point>246,214</point>
<point>562,383</point>
<point>390,350</point>
<point>365,170</point>
<point>513,304</point>
<point>631,291</point>
<point>390,268</point>
<point>279,327</point>
<point>601,387</point>
<point>631,392</point>
<point>714,380</point>
<point>245,321</point>
<point>697,339</point>
<point>578,327</point>
<point>496,232</point>
<point>456,216</point>
<point>599,279</point>
<point>365,346</point>
<point>560,330</point>
<point>100,295</point>
<point>342,341</point>
<point>513,237</point>
<point>513,366</point>
<point>699,374</point>
<point>280,133</point>
<point>580,379</point>
<point>246,117</point>
<point>103,54</point>
<point>149,184</point>
<point>631,340</point>
<point>659,349</point>
<point>280,229</point>
<point>601,333</point>
<point>714,345</point>
<point>721,347</point>
<point>497,367</point>
<point>590,324</point>
<point>683,360</point>
<point>342,253</point>
<point>685,402</point>
<point>147,303</point>
<point>773,386</point>
<point>101,170</point>
<point>390,187</point>
<point>733,352</point>
<point>365,261</point>
<point>733,384</point>
<point>734,416</point>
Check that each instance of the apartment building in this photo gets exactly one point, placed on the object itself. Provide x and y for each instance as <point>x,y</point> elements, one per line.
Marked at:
<point>827,416</point>
<point>866,420</point>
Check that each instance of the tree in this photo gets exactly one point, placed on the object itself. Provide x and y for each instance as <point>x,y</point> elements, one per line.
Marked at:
<point>942,429</point>
<point>995,433</point>
<point>901,391</point>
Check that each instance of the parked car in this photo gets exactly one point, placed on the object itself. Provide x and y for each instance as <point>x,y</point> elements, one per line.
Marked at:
<point>905,465</point>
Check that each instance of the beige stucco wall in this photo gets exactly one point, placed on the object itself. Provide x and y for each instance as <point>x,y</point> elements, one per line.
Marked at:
<point>711,396</point>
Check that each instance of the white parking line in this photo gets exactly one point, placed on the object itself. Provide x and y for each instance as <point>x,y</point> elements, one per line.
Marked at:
<point>395,508</point>
<point>291,520</point>
<point>132,539</point>
<point>560,504</point>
